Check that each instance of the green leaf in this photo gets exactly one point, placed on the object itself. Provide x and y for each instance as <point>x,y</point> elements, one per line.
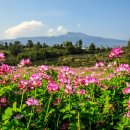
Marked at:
<point>8,114</point>
<point>5,117</point>
<point>73,126</point>
<point>65,109</point>
<point>67,116</point>
<point>8,111</point>
<point>73,112</point>
<point>14,106</point>
<point>51,111</point>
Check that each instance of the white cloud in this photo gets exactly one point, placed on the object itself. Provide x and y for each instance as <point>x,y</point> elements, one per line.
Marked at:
<point>33,28</point>
<point>61,29</point>
<point>23,29</point>
<point>58,31</point>
<point>51,32</point>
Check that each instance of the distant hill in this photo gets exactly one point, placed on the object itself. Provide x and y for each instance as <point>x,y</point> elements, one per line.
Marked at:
<point>72,36</point>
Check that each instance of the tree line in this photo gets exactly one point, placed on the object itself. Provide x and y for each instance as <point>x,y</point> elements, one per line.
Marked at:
<point>41,51</point>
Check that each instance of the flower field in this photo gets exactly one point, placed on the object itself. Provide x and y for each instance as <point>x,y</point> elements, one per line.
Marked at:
<point>63,98</point>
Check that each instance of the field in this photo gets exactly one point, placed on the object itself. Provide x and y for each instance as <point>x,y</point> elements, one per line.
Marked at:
<point>64,98</point>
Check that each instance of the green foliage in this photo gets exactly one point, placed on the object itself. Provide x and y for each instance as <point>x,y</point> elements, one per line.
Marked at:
<point>15,48</point>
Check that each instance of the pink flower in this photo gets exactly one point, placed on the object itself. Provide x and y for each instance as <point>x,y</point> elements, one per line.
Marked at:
<point>123,68</point>
<point>36,76</point>
<point>5,69</point>
<point>66,70</point>
<point>46,77</point>
<point>81,92</point>
<point>43,68</point>
<point>16,77</point>
<point>36,79</point>
<point>128,84</point>
<point>89,80</point>
<point>25,62</point>
<point>36,83</point>
<point>3,101</point>
<point>77,81</point>
<point>23,84</point>
<point>32,102</point>
<point>126,90</point>
<point>127,114</point>
<point>69,89</point>
<point>110,76</point>
<point>52,86</point>
<point>99,64</point>
<point>116,52</point>
<point>129,104</point>
<point>58,100</point>
<point>62,78</point>
<point>64,75</point>
<point>2,56</point>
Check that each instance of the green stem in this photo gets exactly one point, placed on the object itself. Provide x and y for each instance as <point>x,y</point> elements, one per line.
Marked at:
<point>21,101</point>
<point>78,120</point>
<point>46,115</point>
<point>35,92</point>
<point>57,124</point>
<point>32,111</point>
<point>69,106</point>
<point>89,123</point>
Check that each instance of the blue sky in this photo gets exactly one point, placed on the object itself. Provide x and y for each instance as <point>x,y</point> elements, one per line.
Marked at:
<point>106,18</point>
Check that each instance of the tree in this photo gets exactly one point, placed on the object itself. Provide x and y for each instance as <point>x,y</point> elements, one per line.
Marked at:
<point>128,43</point>
<point>6,45</point>
<point>38,45</point>
<point>44,45</point>
<point>92,48</point>
<point>78,46</point>
<point>69,47</point>
<point>15,48</point>
<point>29,43</point>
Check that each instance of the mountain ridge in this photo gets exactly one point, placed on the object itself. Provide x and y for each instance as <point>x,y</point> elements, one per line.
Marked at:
<point>73,37</point>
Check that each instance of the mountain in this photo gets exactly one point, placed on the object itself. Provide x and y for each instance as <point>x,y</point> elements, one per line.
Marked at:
<point>72,36</point>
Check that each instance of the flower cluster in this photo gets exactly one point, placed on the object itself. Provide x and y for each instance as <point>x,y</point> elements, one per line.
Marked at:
<point>66,70</point>
<point>5,69</point>
<point>116,52</point>
<point>99,64</point>
<point>89,80</point>
<point>123,68</point>
<point>52,86</point>
<point>69,89</point>
<point>78,80</point>
<point>81,92</point>
<point>32,102</point>
<point>36,79</point>
<point>46,76</point>
<point>25,62</point>
<point>24,85</point>
<point>16,77</point>
<point>64,75</point>
<point>43,68</point>
<point>3,101</point>
<point>127,114</point>
<point>2,56</point>
<point>112,64</point>
<point>126,90</point>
